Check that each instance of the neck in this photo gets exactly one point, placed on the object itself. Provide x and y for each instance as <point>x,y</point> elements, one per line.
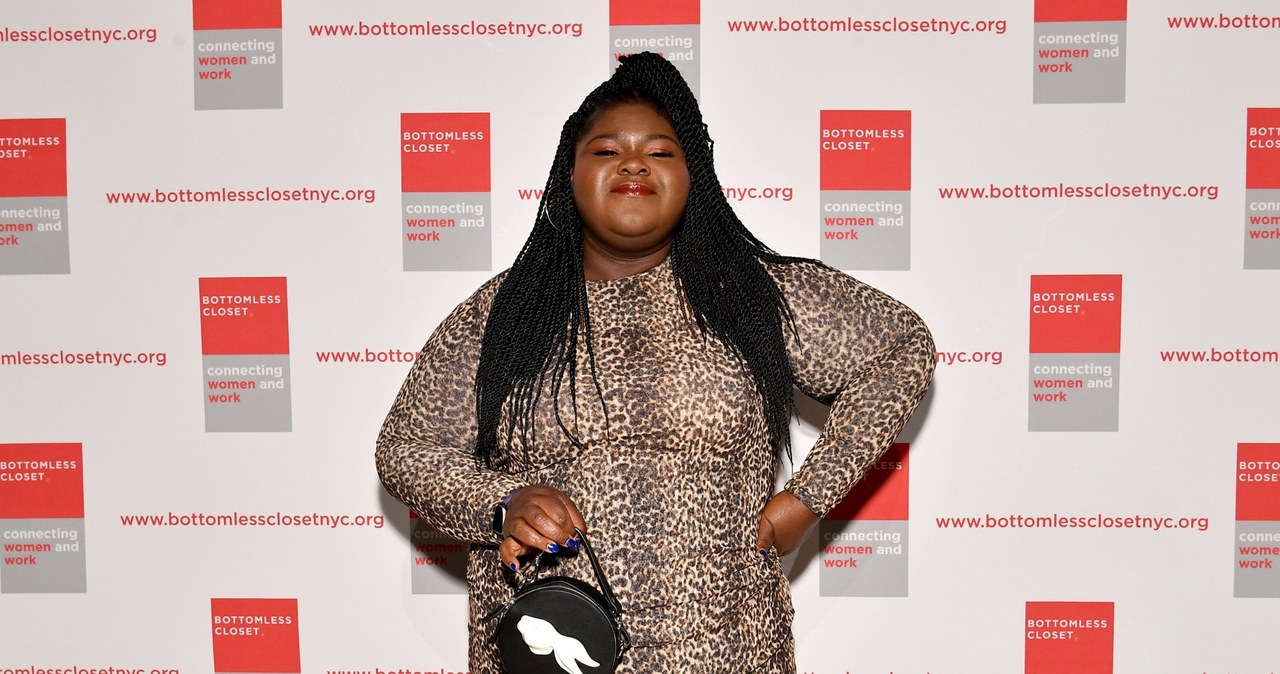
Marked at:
<point>600,265</point>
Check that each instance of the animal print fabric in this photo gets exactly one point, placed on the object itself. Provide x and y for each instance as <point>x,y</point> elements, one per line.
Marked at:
<point>676,465</point>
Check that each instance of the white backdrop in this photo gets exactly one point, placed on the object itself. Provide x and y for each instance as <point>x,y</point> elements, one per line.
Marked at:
<point>131,292</point>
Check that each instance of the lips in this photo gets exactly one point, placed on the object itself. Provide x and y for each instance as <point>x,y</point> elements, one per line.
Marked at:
<point>633,189</point>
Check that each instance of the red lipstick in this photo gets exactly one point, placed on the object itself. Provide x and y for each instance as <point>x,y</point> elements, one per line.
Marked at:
<point>633,189</point>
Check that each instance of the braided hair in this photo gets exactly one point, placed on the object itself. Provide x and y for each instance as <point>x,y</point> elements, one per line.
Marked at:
<point>539,317</point>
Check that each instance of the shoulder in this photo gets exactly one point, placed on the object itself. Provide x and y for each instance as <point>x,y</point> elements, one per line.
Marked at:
<point>806,277</point>
<point>472,313</point>
<point>823,295</point>
<point>482,298</point>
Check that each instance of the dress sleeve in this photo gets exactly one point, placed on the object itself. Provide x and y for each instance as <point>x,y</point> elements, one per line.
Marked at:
<point>864,353</point>
<point>425,450</point>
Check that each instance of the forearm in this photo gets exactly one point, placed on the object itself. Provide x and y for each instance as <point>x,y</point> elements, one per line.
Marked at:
<point>865,418</point>
<point>424,453</point>
<point>444,486</point>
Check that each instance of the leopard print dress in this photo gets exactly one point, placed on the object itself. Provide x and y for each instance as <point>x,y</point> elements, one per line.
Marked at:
<point>676,466</point>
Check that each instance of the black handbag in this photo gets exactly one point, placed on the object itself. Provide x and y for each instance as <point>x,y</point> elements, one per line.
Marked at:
<point>555,625</point>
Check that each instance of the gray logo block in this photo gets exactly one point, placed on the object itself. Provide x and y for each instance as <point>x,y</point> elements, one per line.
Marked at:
<point>33,236</point>
<point>862,558</point>
<point>679,44</point>
<point>865,229</point>
<point>1262,229</point>
<point>1074,392</point>
<point>240,69</point>
<point>446,231</point>
<point>1257,556</point>
<point>439,562</point>
<point>42,555</point>
<point>247,393</point>
<point>1079,62</point>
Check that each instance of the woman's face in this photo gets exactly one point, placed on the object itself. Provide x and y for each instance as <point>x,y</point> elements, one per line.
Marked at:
<point>631,184</point>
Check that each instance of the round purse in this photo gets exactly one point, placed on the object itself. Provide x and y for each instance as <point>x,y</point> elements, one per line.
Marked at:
<point>555,625</point>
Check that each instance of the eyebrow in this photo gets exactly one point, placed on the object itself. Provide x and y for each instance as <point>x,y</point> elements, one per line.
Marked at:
<point>618,137</point>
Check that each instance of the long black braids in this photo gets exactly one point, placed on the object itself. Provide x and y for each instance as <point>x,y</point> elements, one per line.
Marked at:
<point>539,314</point>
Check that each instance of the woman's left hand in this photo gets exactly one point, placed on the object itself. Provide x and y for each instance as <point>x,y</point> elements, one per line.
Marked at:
<point>785,523</point>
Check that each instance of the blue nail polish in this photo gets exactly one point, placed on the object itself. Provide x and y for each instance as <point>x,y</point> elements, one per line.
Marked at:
<point>512,565</point>
<point>553,548</point>
<point>573,543</point>
<point>764,553</point>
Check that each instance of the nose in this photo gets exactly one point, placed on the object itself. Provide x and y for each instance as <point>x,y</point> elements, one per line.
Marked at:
<point>634,163</point>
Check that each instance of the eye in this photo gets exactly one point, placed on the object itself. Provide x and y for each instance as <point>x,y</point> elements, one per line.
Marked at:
<point>662,153</point>
<point>605,152</point>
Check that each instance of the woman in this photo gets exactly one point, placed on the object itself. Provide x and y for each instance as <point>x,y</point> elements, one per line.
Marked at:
<point>632,375</point>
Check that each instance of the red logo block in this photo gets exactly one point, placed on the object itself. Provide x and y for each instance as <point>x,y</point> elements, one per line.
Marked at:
<point>1081,10</point>
<point>865,150</point>
<point>41,480</point>
<point>1262,149</point>
<point>240,316</point>
<point>255,635</point>
<point>882,494</point>
<point>1258,482</point>
<point>1075,313</point>
<point>235,14</point>
<point>654,13</point>
<point>1070,637</point>
<point>444,152</point>
<point>33,158</point>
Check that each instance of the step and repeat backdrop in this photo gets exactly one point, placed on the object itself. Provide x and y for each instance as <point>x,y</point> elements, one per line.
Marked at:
<point>227,227</point>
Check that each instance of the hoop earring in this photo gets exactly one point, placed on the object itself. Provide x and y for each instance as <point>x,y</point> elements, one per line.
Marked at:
<point>546,213</point>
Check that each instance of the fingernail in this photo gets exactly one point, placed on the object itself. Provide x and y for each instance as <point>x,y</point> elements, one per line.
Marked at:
<point>573,543</point>
<point>553,548</point>
<point>764,553</point>
<point>512,566</point>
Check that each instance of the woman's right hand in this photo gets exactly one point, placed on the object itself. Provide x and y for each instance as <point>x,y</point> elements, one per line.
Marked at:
<point>539,518</point>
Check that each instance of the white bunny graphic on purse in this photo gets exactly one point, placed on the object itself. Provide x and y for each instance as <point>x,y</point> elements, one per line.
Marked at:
<point>542,638</point>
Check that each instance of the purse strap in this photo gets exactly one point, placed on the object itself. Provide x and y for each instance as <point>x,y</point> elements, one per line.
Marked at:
<point>612,601</point>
